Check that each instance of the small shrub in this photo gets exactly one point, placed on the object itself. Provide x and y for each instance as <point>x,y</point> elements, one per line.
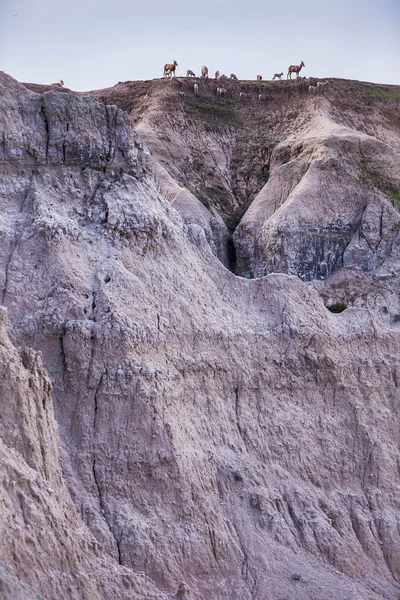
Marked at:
<point>337,307</point>
<point>233,220</point>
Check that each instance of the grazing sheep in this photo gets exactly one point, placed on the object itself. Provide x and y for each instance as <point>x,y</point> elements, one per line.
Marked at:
<point>171,68</point>
<point>259,77</point>
<point>294,69</point>
<point>59,83</point>
<point>182,94</point>
<point>221,92</point>
<point>204,71</point>
<point>261,97</point>
<point>312,89</point>
<point>223,76</point>
<point>196,88</point>
<point>322,84</point>
<point>217,75</point>
<point>277,76</point>
<point>243,95</point>
<point>190,73</point>
<point>233,76</point>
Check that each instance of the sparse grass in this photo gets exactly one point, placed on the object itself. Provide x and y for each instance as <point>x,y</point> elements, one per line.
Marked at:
<point>381,92</point>
<point>337,307</point>
<point>393,193</point>
<point>377,179</point>
<point>233,220</point>
<point>216,109</point>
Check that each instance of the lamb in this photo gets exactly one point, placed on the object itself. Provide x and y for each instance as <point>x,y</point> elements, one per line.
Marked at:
<point>221,92</point>
<point>204,71</point>
<point>196,88</point>
<point>190,73</point>
<point>233,76</point>
<point>171,68</point>
<point>59,83</point>
<point>217,75</point>
<point>259,77</point>
<point>295,69</point>
<point>277,76</point>
<point>322,84</point>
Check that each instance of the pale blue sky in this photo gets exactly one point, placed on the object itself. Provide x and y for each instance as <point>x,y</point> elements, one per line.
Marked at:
<point>93,44</point>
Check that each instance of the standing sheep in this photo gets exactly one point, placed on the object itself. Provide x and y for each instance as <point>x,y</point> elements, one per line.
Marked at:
<point>221,92</point>
<point>196,88</point>
<point>204,71</point>
<point>168,67</point>
<point>259,77</point>
<point>295,69</point>
<point>217,75</point>
<point>277,76</point>
<point>233,76</point>
<point>190,73</point>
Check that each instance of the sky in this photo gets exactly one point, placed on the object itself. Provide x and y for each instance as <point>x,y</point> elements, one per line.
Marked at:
<point>93,44</point>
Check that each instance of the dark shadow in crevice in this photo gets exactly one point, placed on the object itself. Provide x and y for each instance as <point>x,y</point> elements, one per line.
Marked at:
<point>231,252</point>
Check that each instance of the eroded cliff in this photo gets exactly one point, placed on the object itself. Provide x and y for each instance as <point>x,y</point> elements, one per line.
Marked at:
<point>227,437</point>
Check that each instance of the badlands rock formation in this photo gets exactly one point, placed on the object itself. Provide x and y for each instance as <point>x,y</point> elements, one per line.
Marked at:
<point>170,429</point>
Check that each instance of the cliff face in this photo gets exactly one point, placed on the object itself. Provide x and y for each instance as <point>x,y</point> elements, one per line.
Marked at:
<point>221,436</point>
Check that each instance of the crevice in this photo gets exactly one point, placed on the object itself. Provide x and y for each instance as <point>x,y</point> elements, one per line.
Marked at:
<point>103,510</point>
<point>237,414</point>
<point>16,242</point>
<point>63,357</point>
<point>231,252</point>
<point>47,126</point>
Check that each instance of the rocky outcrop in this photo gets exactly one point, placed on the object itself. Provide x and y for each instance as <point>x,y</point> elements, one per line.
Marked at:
<point>219,436</point>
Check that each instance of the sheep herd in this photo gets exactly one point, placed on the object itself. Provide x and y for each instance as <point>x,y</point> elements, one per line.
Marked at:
<point>314,87</point>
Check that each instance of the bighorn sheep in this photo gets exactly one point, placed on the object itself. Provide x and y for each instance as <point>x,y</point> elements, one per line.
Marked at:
<point>223,76</point>
<point>259,77</point>
<point>59,83</point>
<point>196,88</point>
<point>221,92</point>
<point>295,69</point>
<point>233,76</point>
<point>182,94</point>
<point>277,76</point>
<point>312,89</point>
<point>204,71</point>
<point>217,75</point>
<point>190,73</point>
<point>321,85</point>
<point>171,68</point>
